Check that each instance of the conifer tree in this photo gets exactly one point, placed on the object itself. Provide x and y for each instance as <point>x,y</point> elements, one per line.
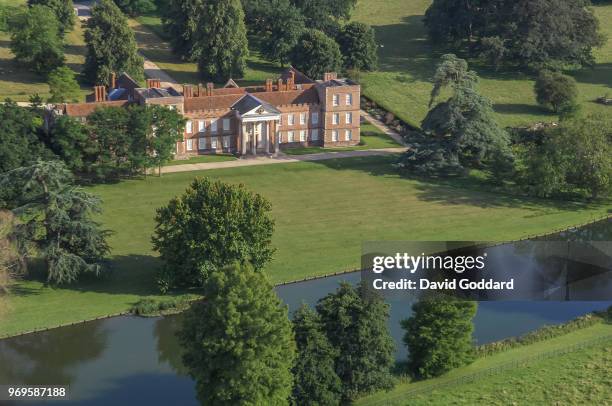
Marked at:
<point>220,41</point>
<point>316,382</point>
<point>111,46</point>
<point>238,343</point>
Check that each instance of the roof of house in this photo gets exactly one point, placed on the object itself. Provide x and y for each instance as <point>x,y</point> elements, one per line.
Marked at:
<point>304,96</point>
<point>249,102</point>
<point>211,102</point>
<point>227,101</point>
<point>85,109</point>
<point>157,92</point>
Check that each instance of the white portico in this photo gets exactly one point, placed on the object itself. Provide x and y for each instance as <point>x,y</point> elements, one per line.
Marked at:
<point>258,124</point>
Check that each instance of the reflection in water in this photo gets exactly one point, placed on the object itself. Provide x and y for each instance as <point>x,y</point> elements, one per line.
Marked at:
<point>168,347</point>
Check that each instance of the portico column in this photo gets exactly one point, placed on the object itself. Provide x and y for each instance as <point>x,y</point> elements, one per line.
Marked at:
<point>253,139</point>
<point>276,138</point>
<point>244,138</point>
<point>266,139</point>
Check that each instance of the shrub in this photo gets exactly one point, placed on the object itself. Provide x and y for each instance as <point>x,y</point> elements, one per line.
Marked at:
<point>556,91</point>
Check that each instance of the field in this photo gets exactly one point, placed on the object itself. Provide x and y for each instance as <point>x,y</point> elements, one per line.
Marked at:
<point>18,83</point>
<point>323,212</point>
<point>583,376</point>
<point>407,62</point>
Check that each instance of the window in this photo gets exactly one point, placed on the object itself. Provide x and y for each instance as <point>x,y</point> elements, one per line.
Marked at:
<point>226,124</point>
<point>189,127</point>
<point>189,144</point>
<point>226,142</point>
<point>213,143</point>
<point>302,118</point>
<point>289,136</point>
<point>349,135</point>
<point>314,134</point>
<point>213,126</point>
<point>349,99</point>
<point>335,118</point>
<point>290,119</point>
<point>334,135</point>
<point>314,118</point>
<point>336,100</point>
<point>349,118</point>
<point>202,143</point>
<point>201,126</point>
<point>302,135</point>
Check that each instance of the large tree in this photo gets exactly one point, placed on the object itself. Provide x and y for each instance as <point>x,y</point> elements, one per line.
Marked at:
<point>282,26</point>
<point>556,91</point>
<point>63,9</point>
<point>220,41</point>
<point>111,46</point>
<point>238,344</point>
<point>439,335</point>
<point>358,46</point>
<point>70,140</point>
<point>56,221</point>
<point>355,321</point>
<point>212,225</point>
<point>316,381</point>
<point>63,86</point>
<point>460,132</point>
<point>315,53</point>
<point>135,8</point>
<point>166,127</point>
<point>35,39</point>
<point>325,15</point>
<point>180,22</point>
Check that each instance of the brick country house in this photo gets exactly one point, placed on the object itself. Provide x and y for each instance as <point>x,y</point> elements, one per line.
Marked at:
<point>292,111</point>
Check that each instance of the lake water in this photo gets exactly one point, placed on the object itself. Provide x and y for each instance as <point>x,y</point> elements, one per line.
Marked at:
<point>133,360</point>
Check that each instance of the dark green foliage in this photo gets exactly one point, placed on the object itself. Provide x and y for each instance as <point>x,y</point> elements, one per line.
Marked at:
<point>355,321</point>
<point>529,33</point>
<point>19,141</point>
<point>220,42</point>
<point>315,54</point>
<point>35,39</point>
<point>63,10</point>
<point>111,46</point>
<point>238,343</point>
<point>152,307</point>
<point>316,382</point>
<point>282,25</point>
<point>574,157</point>
<point>460,132</point>
<point>358,46</point>
<point>167,130</point>
<point>135,8</point>
<point>63,86</point>
<point>556,91</point>
<point>439,336</point>
<point>180,21</point>
<point>55,221</point>
<point>325,15</point>
<point>210,226</point>
<point>70,140</point>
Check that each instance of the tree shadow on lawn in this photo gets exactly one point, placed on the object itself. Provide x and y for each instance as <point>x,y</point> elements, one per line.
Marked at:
<point>600,74</point>
<point>522,108</point>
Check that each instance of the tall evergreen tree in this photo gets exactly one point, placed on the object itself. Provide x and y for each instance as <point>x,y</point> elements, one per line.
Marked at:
<point>111,46</point>
<point>358,46</point>
<point>315,53</point>
<point>316,382</point>
<point>238,343</point>
<point>355,321</point>
<point>56,220</point>
<point>220,42</point>
<point>63,9</point>
<point>439,336</point>
<point>180,22</point>
<point>36,40</point>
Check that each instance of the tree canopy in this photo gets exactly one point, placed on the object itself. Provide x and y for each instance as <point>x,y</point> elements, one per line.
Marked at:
<point>180,21</point>
<point>281,24</point>
<point>238,344</point>
<point>358,46</point>
<point>111,46</point>
<point>63,10</point>
<point>325,15</point>
<point>315,54</point>
<point>63,86</point>
<point>439,335</point>
<point>135,8</point>
<point>212,225</point>
<point>556,91</point>
<point>35,39</point>
<point>355,321</point>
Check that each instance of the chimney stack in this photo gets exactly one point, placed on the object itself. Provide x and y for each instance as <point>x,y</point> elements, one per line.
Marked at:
<point>113,81</point>
<point>327,76</point>
<point>188,91</point>
<point>153,83</point>
<point>268,85</point>
<point>209,88</point>
<point>280,84</point>
<point>99,93</point>
<point>200,90</point>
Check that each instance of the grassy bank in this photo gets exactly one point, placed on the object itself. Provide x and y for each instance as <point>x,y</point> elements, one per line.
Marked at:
<point>407,63</point>
<point>17,82</point>
<point>576,377</point>
<point>203,159</point>
<point>323,211</point>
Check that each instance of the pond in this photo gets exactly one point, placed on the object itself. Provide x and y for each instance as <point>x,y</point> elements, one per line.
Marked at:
<point>133,360</point>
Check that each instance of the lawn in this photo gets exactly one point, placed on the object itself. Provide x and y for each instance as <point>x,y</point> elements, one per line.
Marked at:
<point>371,138</point>
<point>203,159</point>
<point>151,43</point>
<point>407,63</point>
<point>323,211</point>
<point>579,377</point>
<point>18,83</point>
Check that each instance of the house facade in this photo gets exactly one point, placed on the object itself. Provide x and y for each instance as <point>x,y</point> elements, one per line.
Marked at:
<point>292,111</point>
